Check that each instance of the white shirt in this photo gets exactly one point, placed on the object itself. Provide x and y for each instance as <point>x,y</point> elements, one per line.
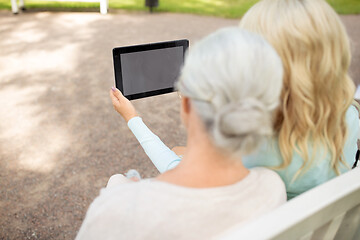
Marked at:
<point>152,209</point>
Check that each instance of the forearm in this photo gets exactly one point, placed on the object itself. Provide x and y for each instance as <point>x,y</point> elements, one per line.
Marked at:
<point>161,156</point>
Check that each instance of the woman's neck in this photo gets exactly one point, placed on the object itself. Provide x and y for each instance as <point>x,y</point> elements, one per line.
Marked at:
<point>204,166</point>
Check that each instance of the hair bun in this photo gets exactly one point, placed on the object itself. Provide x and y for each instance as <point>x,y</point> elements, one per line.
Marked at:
<point>239,126</point>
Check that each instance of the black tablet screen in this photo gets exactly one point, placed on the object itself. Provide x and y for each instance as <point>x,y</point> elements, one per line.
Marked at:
<point>150,70</point>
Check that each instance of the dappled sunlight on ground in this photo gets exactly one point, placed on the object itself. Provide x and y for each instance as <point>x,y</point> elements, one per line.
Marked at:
<point>26,34</point>
<point>20,121</point>
<point>62,59</point>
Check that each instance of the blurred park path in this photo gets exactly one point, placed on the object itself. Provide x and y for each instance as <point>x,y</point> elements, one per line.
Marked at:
<point>60,139</point>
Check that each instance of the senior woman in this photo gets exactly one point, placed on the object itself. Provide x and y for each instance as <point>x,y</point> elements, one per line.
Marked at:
<point>230,85</point>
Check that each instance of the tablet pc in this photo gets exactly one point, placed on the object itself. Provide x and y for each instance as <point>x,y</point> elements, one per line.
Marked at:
<point>148,69</point>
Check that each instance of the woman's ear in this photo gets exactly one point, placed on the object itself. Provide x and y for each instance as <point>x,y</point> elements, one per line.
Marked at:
<point>185,110</point>
<point>185,103</point>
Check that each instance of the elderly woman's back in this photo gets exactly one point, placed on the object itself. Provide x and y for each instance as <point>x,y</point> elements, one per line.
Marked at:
<point>230,84</point>
<point>152,209</point>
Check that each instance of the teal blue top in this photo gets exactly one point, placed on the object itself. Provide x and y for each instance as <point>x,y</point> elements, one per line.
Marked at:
<point>320,171</point>
<point>268,155</point>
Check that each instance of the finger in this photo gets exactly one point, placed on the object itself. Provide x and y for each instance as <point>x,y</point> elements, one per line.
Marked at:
<point>115,102</point>
<point>114,99</point>
<point>113,93</point>
<point>117,92</point>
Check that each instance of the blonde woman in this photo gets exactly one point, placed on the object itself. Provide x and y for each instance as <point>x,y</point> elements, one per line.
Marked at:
<point>210,189</point>
<point>316,127</point>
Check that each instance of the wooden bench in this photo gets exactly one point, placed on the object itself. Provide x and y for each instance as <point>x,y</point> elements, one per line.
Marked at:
<point>329,211</point>
<point>104,4</point>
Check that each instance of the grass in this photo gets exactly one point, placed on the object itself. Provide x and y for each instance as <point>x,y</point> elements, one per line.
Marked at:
<point>220,8</point>
<point>346,7</point>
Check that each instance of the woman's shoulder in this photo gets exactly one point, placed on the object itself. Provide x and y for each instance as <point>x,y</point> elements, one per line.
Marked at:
<point>266,176</point>
<point>113,205</point>
<point>264,173</point>
<point>125,190</point>
<point>353,112</point>
<point>265,189</point>
<point>267,182</point>
<point>120,197</point>
<point>352,118</point>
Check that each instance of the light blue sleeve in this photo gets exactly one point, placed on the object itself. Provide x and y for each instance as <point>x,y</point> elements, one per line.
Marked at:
<point>161,156</point>
<point>350,148</point>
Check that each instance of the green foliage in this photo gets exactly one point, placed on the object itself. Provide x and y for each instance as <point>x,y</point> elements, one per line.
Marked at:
<point>346,7</point>
<point>221,8</point>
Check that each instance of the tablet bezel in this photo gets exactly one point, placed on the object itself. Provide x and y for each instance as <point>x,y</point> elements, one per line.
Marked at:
<point>141,48</point>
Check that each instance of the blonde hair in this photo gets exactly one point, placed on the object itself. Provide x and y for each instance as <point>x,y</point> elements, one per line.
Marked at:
<point>234,79</point>
<point>317,90</point>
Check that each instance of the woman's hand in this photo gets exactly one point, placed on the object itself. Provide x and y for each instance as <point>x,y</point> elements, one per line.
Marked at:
<point>122,105</point>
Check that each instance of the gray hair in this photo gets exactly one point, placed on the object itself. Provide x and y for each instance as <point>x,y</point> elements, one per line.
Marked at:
<point>233,78</point>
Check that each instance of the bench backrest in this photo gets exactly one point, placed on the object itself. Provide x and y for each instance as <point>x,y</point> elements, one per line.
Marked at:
<point>329,211</point>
